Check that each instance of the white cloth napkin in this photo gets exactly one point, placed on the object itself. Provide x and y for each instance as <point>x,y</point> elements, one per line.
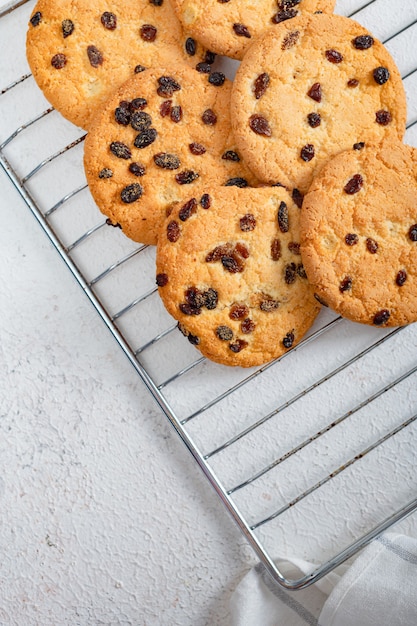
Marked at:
<point>378,589</point>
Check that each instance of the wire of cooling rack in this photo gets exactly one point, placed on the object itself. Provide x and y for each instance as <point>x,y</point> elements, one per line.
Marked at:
<point>207,453</point>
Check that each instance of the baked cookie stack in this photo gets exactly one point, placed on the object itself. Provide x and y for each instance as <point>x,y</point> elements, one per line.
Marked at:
<point>267,196</point>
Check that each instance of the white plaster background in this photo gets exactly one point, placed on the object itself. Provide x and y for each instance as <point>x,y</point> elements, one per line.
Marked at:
<point>104,517</point>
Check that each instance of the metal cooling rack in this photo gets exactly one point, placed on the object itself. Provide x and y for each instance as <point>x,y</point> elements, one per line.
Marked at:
<point>311,436</point>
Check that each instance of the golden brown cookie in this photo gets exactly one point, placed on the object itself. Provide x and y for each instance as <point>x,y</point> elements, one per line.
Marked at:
<point>229,27</point>
<point>79,52</point>
<point>164,134</point>
<point>310,88</point>
<point>359,234</point>
<point>229,270</point>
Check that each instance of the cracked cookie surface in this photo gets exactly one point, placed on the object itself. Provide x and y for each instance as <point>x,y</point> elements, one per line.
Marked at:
<point>359,234</point>
<point>310,88</point>
<point>229,271</point>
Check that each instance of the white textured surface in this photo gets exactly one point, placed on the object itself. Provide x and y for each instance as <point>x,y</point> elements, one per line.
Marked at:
<point>105,519</point>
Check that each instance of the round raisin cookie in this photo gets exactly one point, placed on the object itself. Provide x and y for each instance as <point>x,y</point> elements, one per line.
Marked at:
<point>310,88</point>
<point>229,270</point>
<point>229,27</point>
<point>359,234</point>
<point>163,134</point>
<point>79,52</point>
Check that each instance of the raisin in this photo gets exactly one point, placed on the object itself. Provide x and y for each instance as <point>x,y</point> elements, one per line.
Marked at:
<point>247,222</point>
<point>238,345</point>
<point>224,333</point>
<point>173,231</point>
<point>161,280</point>
<point>351,239</point>
<point>401,278</point>
<point>167,86</point>
<point>58,61</point>
<point>217,79</point>
<point>36,18</point>
<point>260,125</point>
<point>381,75</point>
<point>186,177</point>
<point>315,92</point>
<point>145,138</point>
<point>352,82</point>
<point>282,16</point>
<point>371,245</point>
<point>209,57</point>
<point>236,182</point>
<point>121,150</point>
<point>290,273</point>
<point>307,152</point>
<point>148,32</point>
<point>209,117</point>
<point>231,155</point>
<point>203,68</point>
<point>238,311</point>
<point>288,340</point>
<point>381,317</point>
<point>314,119</point>
<point>187,309</point>
<point>232,264</point>
<point>301,271</point>
<point>247,326</point>
<point>275,249</point>
<point>138,104</point>
<point>261,84</point>
<point>109,20</point>
<point>139,68</point>
<point>190,46</point>
<point>137,169</point>
<point>283,218</point>
<point>193,339</point>
<point>219,251</point>
<point>211,298</point>
<point>197,148</point>
<point>242,250</point>
<point>188,209</point>
<point>363,42</point>
<point>94,56</point>
<point>105,173</point>
<point>156,3</point>
<point>354,184</point>
<point>383,117</point>
<point>67,28</point>
<point>122,116</point>
<point>412,232</point>
<point>241,30</point>
<point>359,146</point>
<point>194,297</point>
<point>294,247</point>
<point>140,121</point>
<point>113,224</point>
<point>124,104</point>
<point>346,284</point>
<point>290,40</point>
<point>333,56</point>
<point>297,197</point>
<point>131,193</point>
<point>287,4</point>
<point>176,114</point>
<point>205,201</point>
<point>165,108</point>
<point>167,161</point>
<point>268,305</point>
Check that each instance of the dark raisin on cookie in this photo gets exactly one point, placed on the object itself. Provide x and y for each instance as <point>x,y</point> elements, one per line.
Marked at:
<point>209,117</point>
<point>94,56</point>
<point>167,86</point>
<point>109,20</point>
<point>359,146</point>
<point>345,284</point>
<point>188,209</point>
<point>294,247</point>
<point>162,279</point>
<point>140,120</point>
<point>383,117</point>
<point>314,119</point>
<point>131,193</point>
<point>401,278</point>
<point>260,85</point>
<point>186,177</point>
<point>139,68</point>
<point>381,317</point>
<point>283,217</point>
<point>190,46</point>
<point>224,333</point>
<point>238,311</point>
<point>334,56</point>
<point>354,185</point>
<point>290,40</point>
<point>58,61</point>
<point>276,249</point>
<point>288,340</point>
<point>176,114</point>
<point>217,79</point>
<point>315,92</point>
<point>351,239</point>
<point>290,273</point>
<point>156,3</point>
<point>106,172</point>
<point>371,245</point>
<point>122,115</point>
<point>209,57</point>
<point>307,152</point>
<point>363,42</point>
<point>67,28</point>
<point>381,75</point>
<point>352,83</point>
<point>211,299</point>
<point>203,68</point>
<point>173,231</point>
<point>268,305</point>
<point>120,150</point>
<point>205,201</point>
<point>260,125</point>
<point>197,148</point>
<point>282,16</point>
<point>238,345</point>
<point>145,138</point>
<point>412,232</point>
<point>165,108</point>
<point>148,32</point>
<point>297,197</point>
<point>231,155</point>
<point>241,30</point>
<point>36,18</point>
<point>247,222</point>
<point>237,181</point>
<point>137,169</point>
<point>247,326</point>
<point>167,161</point>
